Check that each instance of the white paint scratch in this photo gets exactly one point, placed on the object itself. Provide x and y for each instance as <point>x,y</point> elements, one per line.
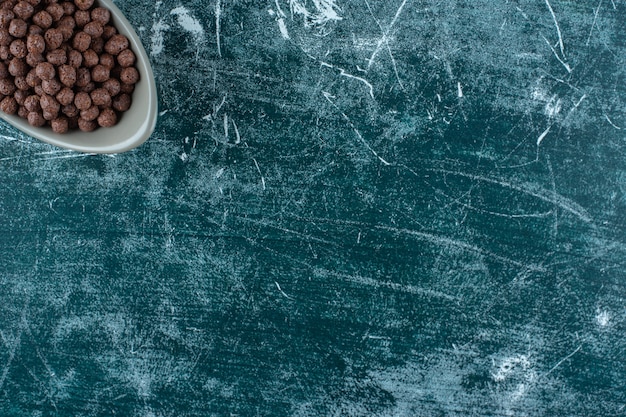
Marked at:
<point>343,73</point>
<point>325,11</point>
<point>543,135</point>
<point>558,28</point>
<point>156,40</point>
<point>218,14</point>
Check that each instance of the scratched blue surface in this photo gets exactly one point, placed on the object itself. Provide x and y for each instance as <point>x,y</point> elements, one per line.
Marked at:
<point>402,208</point>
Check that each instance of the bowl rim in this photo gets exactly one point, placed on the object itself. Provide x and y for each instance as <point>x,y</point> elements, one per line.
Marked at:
<point>134,127</point>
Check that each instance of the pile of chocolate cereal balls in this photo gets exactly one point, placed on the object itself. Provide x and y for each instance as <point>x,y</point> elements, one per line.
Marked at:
<point>63,64</point>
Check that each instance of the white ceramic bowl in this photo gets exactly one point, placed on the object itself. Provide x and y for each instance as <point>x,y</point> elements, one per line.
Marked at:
<point>134,127</point>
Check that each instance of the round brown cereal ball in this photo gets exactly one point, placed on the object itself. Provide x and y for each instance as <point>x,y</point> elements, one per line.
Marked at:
<point>18,28</point>
<point>129,75</point>
<point>60,125</point>
<point>21,84</point>
<point>6,16</point>
<point>81,41</point>
<point>121,102</point>
<point>67,21</point>
<point>83,77</point>
<point>112,86</point>
<point>101,15</point>
<point>5,37</point>
<point>20,96</point>
<point>100,73</point>
<point>34,59</point>
<point>65,96</point>
<point>91,113</point>
<point>75,58</point>
<point>108,32</point>
<point>51,87</point>
<point>57,57</point>
<point>116,44</point>
<point>49,103</point>
<point>32,79</point>
<point>45,70</point>
<point>101,97</point>
<point>4,71</point>
<point>35,30</point>
<point>8,105</point>
<point>67,32</point>
<point>97,44</point>
<point>107,118</point>
<point>4,52</point>
<point>22,112</point>
<point>87,125</point>
<point>107,60</point>
<point>37,89</point>
<point>126,58</point>
<point>68,8</point>
<point>32,103</point>
<point>93,29</point>
<point>82,101</point>
<point>7,87</point>
<point>23,10</point>
<point>36,119</point>
<point>42,19</point>
<point>70,110</point>
<point>82,18</point>
<point>53,38</point>
<point>18,48</point>
<point>90,58</point>
<point>56,11</point>
<point>84,4</point>
<point>35,44</point>
<point>127,88</point>
<point>18,67</point>
<point>67,75</point>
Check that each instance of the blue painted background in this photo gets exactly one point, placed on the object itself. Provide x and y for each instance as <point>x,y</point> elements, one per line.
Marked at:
<point>398,208</point>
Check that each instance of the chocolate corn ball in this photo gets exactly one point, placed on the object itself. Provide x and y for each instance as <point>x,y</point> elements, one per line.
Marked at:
<point>56,11</point>
<point>126,58</point>
<point>70,111</point>
<point>74,58</point>
<point>32,79</point>
<point>49,103</point>
<point>84,4</point>
<point>65,96</point>
<point>90,114</point>
<point>7,87</point>
<point>100,73</point>
<point>82,101</point>
<point>22,112</point>
<point>121,102</point>
<point>23,10</point>
<point>100,15</point>
<point>82,17</point>
<point>107,60</point>
<point>87,125</point>
<point>18,28</point>
<point>87,88</point>
<point>116,44</point>
<point>4,71</point>
<point>51,87</point>
<point>5,37</point>
<point>60,125</point>
<point>127,88</point>
<point>34,59</point>
<point>68,8</point>
<point>53,38</point>
<point>107,118</point>
<point>113,86</point>
<point>35,44</point>
<point>21,84</point>
<point>6,16</point>
<point>4,52</point>
<point>35,30</point>
<point>57,57</point>
<point>81,41</point>
<point>20,96</point>
<point>83,76</point>
<point>67,21</point>
<point>90,58</point>
<point>8,105</point>
<point>36,119</point>
<point>32,103</point>
<point>101,97</point>
<point>67,75</point>
<point>45,71</point>
<point>18,48</point>
<point>108,32</point>
<point>129,75</point>
<point>18,67</point>
<point>93,29</point>
<point>42,19</point>
<point>97,44</point>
